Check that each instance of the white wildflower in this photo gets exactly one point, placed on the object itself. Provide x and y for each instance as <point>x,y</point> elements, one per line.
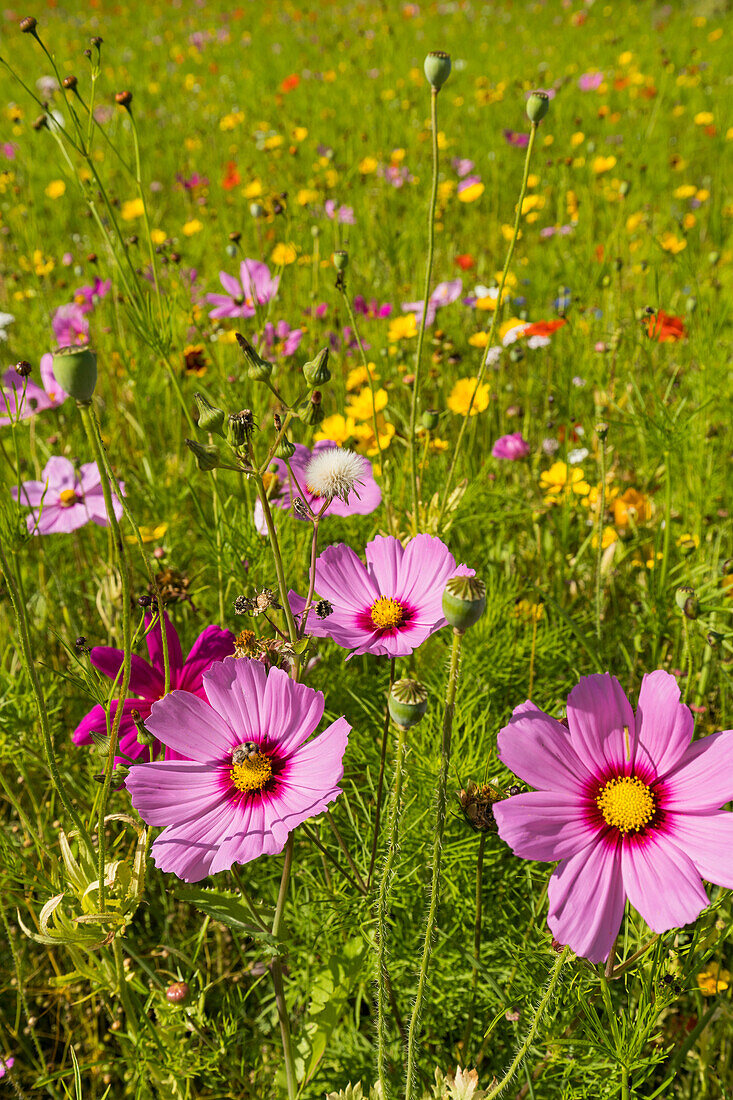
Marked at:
<point>334,472</point>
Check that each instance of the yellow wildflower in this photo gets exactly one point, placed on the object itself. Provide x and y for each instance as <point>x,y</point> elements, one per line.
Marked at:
<point>528,611</point>
<point>603,164</point>
<point>157,236</point>
<point>461,394</point>
<point>471,193</point>
<point>336,428</point>
<point>367,440</point>
<point>252,190</point>
<point>703,118</point>
<point>359,375</point>
<point>306,195</point>
<point>713,980</point>
<point>359,406</point>
<point>402,328</point>
<point>193,226</point>
<point>671,243</point>
<point>283,254</point>
<point>56,189</point>
<point>561,480</point>
<point>152,533</point>
<point>131,209</point>
<point>631,509</point>
<point>368,165</point>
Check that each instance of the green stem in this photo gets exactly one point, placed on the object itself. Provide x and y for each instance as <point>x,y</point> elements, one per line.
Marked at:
<point>522,1052</point>
<point>423,319</point>
<point>667,525</point>
<point>277,975</point>
<point>382,901</point>
<point>625,1094</point>
<point>440,810</point>
<point>380,781</point>
<point>599,554</point>
<point>91,427</point>
<point>476,948</point>
<point>279,570</point>
<point>146,219</point>
<point>347,854</point>
<point>494,324</point>
<point>20,987</point>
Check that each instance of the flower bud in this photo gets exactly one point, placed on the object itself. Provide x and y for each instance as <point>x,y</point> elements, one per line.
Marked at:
<point>691,610</point>
<point>240,427</point>
<point>206,454</point>
<point>285,449</point>
<point>727,567</point>
<point>316,372</point>
<point>231,251</point>
<point>340,260</point>
<point>310,411</point>
<point>682,595</point>
<point>29,24</point>
<point>23,368</point>
<point>464,601</point>
<point>713,258</point>
<point>124,99</point>
<point>538,105</point>
<point>177,993</point>
<point>407,703</point>
<point>75,370</point>
<point>430,419</point>
<point>437,68</point>
<point>258,369</point>
<point>211,419</point>
<point>144,736</point>
<point>70,83</point>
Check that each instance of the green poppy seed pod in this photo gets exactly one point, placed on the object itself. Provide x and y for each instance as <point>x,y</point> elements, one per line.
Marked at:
<point>211,419</point>
<point>682,595</point>
<point>285,449</point>
<point>258,369</point>
<point>206,454</point>
<point>464,601</point>
<point>407,703</point>
<point>75,370</point>
<point>437,68</point>
<point>310,411</point>
<point>430,419</point>
<point>538,105</point>
<point>691,609</point>
<point>340,260</point>
<point>316,372</point>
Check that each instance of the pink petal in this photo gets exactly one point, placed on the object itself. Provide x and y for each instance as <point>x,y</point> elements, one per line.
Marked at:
<point>251,834</point>
<point>189,849</point>
<point>235,687</point>
<point>664,725</point>
<point>173,792</point>
<point>598,711</point>
<point>661,882</point>
<point>231,285</point>
<point>144,680</point>
<point>343,579</point>
<point>31,493</point>
<point>426,568</point>
<point>707,838</point>
<point>384,557</point>
<point>211,645</point>
<point>587,899</point>
<point>544,825</point>
<point>60,474</point>
<point>703,779</point>
<point>290,711</point>
<point>538,749</point>
<point>155,647</point>
<point>190,726</point>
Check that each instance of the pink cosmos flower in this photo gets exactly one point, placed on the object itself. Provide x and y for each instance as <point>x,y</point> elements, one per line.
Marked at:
<point>66,498</point>
<point>70,326</point>
<point>14,406</point>
<point>252,775</point>
<point>342,214</point>
<point>462,166</point>
<point>391,605</point>
<point>511,447</point>
<point>443,295</point>
<point>281,338</point>
<point>588,82</point>
<point>147,681</point>
<point>254,284</point>
<point>512,137</point>
<point>369,494</point>
<point>627,803</point>
<point>88,296</point>
<point>372,308</point>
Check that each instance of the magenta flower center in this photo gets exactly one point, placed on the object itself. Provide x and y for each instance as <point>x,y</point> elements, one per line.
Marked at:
<point>387,613</point>
<point>627,804</point>
<point>68,497</point>
<point>251,769</point>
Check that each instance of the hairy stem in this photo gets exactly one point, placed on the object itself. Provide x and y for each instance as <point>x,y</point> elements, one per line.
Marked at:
<point>380,781</point>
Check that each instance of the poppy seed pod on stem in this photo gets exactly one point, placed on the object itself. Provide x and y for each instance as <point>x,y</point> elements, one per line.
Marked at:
<point>340,260</point>
<point>538,105</point>
<point>407,702</point>
<point>258,369</point>
<point>437,68</point>
<point>211,419</point>
<point>316,372</point>
<point>75,370</point>
<point>464,601</point>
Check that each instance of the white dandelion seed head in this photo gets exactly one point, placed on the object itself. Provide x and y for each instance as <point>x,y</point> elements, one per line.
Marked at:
<point>334,472</point>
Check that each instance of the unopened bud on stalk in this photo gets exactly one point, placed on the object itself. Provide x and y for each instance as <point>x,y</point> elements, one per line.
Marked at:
<point>256,209</point>
<point>75,370</point>
<point>682,594</point>
<point>40,122</point>
<point>407,703</point>
<point>70,83</point>
<point>144,736</point>
<point>23,368</point>
<point>437,68</point>
<point>316,372</point>
<point>211,419</point>
<point>340,260</point>
<point>206,454</point>
<point>430,419</point>
<point>285,449</point>
<point>464,601</point>
<point>538,105</point>
<point>178,993</point>
<point>310,411</point>
<point>29,24</point>
<point>258,369</point>
<point>124,99</point>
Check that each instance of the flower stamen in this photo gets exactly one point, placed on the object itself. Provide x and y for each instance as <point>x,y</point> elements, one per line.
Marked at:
<point>251,769</point>
<point>627,804</point>
<point>68,497</point>
<point>387,613</point>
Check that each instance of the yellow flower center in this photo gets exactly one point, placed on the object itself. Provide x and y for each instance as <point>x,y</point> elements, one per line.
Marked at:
<point>67,498</point>
<point>627,804</point>
<point>387,613</point>
<point>251,774</point>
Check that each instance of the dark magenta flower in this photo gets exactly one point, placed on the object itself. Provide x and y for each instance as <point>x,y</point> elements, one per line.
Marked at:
<point>511,447</point>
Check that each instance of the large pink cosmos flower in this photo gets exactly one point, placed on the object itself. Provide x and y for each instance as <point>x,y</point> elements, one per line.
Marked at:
<point>252,776</point>
<point>254,284</point>
<point>147,681</point>
<point>15,406</point>
<point>65,498</point>
<point>369,494</point>
<point>391,605</point>
<point>628,804</point>
<point>70,326</point>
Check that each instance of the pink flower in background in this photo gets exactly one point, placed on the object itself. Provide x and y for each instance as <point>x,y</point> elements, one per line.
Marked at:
<point>342,214</point>
<point>70,326</point>
<point>511,447</point>
<point>249,775</point>
<point>389,606</point>
<point>5,1065</point>
<point>396,174</point>
<point>369,494</point>
<point>443,295</point>
<point>65,499</point>
<point>255,284</point>
<point>15,406</point>
<point>462,166</point>
<point>372,308</point>
<point>628,804</point>
<point>9,149</point>
<point>147,682</point>
<point>282,338</point>
<point>588,82</point>
<point>88,296</point>
<point>512,137</point>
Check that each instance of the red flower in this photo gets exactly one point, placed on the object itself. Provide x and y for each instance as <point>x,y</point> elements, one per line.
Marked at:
<point>465,262</point>
<point>232,177</point>
<point>665,328</point>
<point>290,82</point>
<point>543,328</point>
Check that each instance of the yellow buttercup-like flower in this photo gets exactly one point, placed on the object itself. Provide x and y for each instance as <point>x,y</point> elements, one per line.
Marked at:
<point>284,254</point>
<point>131,209</point>
<point>360,405</point>
<point>713,980</point>
<point>562,481</point>
<point>461,394</point>
<point>402,328</point>
<point>56,189</point>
